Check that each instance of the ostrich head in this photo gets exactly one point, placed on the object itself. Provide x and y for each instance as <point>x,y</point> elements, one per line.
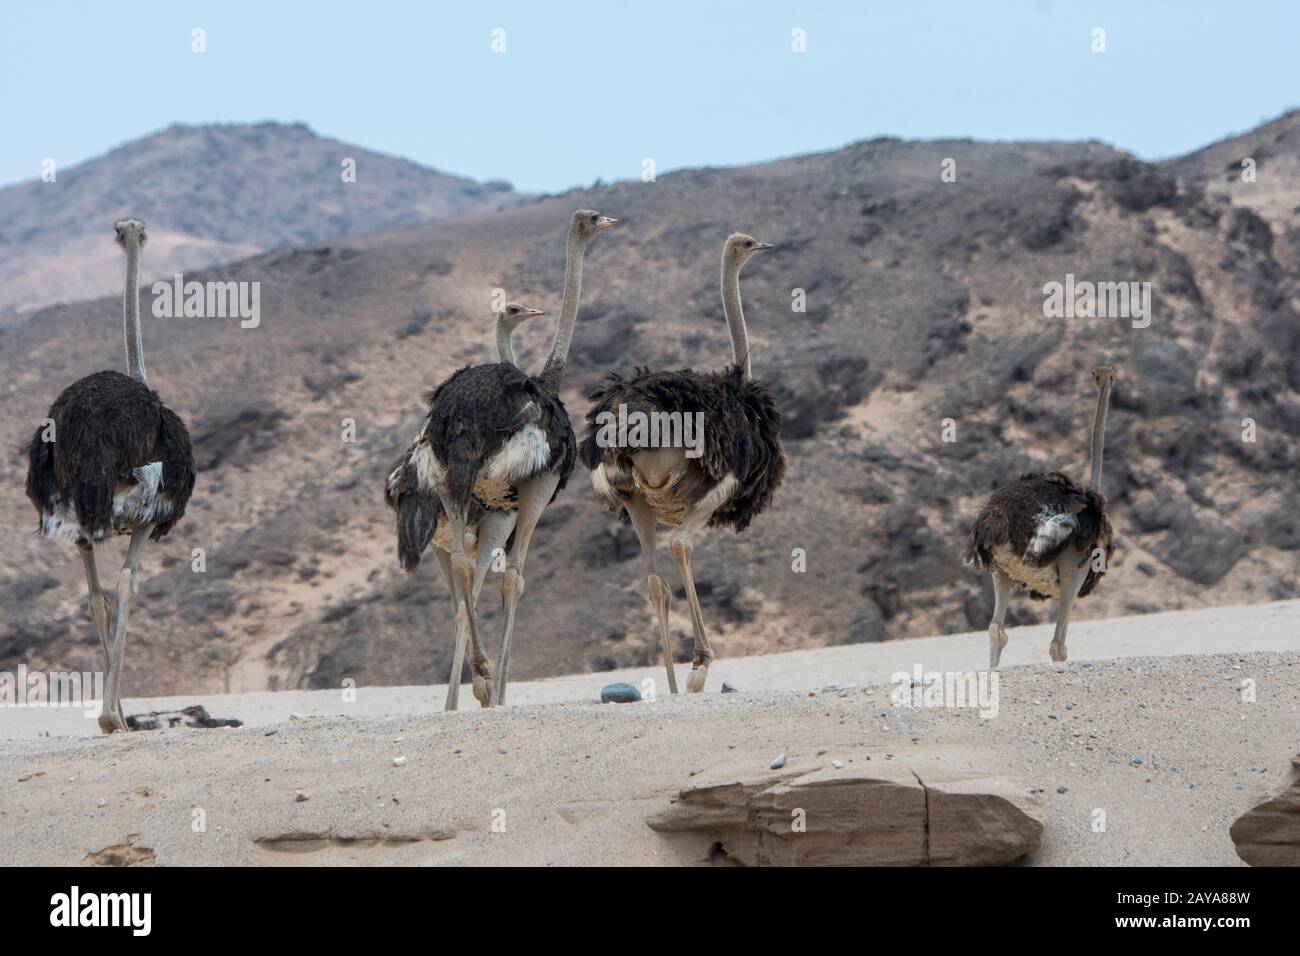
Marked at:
<point>129,231</point>
<point>586,223</point>
<point>512,314</point>
<point>740,247</point>
<point>1103,376</point>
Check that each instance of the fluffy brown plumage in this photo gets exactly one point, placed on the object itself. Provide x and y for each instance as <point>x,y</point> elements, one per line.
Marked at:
<point>742,427</point>
<point>1015,512</point>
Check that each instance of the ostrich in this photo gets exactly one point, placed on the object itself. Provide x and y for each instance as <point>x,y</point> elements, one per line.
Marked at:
<point>415,531</point>
<point>494,450</point>
<point>116,462</point>
<point>511,316</point>
<point>1045,533</point>
<point>734,479</point>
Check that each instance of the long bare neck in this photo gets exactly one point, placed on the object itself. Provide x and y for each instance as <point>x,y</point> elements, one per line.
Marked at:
<point>505,341</point>
<point>131,315</point>
<point>735,314</point>
<point>553,371</point>
<point>1099,436</point>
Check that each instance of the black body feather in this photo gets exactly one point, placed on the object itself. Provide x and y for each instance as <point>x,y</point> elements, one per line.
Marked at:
<point>105,426</point>
<point>742,427</point>
<point>471,416</point>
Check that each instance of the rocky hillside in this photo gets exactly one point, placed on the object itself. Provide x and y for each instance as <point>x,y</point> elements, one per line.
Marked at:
<point>1272,187</point>
<point>924,304</point>
<point>211,194</point>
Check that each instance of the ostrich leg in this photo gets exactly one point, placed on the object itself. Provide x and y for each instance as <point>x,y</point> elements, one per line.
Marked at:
<point>643,522</point>
<point>697,517</point>
<point>493,532</point>
<point>99,609</point>
<point>1072,570</point>
<point>997,632</point>
<point>534,496</point>
<point>462,635</point>
<point>128,584</point>
<point>462,568</point>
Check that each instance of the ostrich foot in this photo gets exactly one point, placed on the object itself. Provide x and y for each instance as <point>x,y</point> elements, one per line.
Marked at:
<point>997,641</point>
<point>1057,651</point>
<point>483,690</point>
<point>111,720</point>
<point>695,679</point>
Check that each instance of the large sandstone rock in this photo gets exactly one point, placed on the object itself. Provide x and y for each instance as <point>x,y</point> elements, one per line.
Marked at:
<point>1269,834</point>
<point>878,816</point>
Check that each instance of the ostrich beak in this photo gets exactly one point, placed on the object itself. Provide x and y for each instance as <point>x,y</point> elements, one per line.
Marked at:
<point>533,313</point>
<point>604,222</point>
<point>763,246</point>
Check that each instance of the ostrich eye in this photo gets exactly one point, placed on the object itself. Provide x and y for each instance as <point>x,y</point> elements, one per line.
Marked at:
<point>749,244</point>
<point>593,218</point>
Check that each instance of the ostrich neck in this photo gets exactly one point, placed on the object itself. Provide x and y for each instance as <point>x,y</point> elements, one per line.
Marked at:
<point>131,315</point>
<point>1099,436</point>
<point>735,315</point>
<point>553,371</point>
<point>505,342</point>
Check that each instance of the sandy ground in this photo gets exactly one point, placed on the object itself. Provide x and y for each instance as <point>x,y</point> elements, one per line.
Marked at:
<point>1146,725</point>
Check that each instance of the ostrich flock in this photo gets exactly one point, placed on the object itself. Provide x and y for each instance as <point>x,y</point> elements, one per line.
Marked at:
<point>496,447</point>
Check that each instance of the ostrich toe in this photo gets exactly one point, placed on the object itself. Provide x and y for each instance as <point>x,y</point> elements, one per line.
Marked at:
<point>695,679</point>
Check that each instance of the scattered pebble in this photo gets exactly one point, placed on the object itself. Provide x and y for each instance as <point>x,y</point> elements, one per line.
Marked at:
<point>778,763</point>
<point>399,761</point>
<point>728,688</point>
<point>103,802</point>
<point>299,796</point>
<point>837,764</point>
<point>619,693</point>
<point>1062,789</point>
<point>1136,761</point>
<point>501,749</point>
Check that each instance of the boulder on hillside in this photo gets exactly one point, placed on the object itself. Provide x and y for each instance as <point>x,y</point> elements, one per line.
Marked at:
<point>817,815</point>
<point>1162,379</point>
<point>1203,550</point>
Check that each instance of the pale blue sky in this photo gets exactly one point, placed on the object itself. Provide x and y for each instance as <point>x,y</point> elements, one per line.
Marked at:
<point>587,89</point>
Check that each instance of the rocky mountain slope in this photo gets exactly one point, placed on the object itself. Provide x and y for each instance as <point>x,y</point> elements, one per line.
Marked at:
<point>924,305</point>
<point>211,194</point>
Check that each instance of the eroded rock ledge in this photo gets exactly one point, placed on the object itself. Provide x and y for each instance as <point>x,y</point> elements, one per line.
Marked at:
<point>885,815</point>
<point>1269,834</point>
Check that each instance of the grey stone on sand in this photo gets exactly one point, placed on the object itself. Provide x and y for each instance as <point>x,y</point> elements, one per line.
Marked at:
<point>619,693</point>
